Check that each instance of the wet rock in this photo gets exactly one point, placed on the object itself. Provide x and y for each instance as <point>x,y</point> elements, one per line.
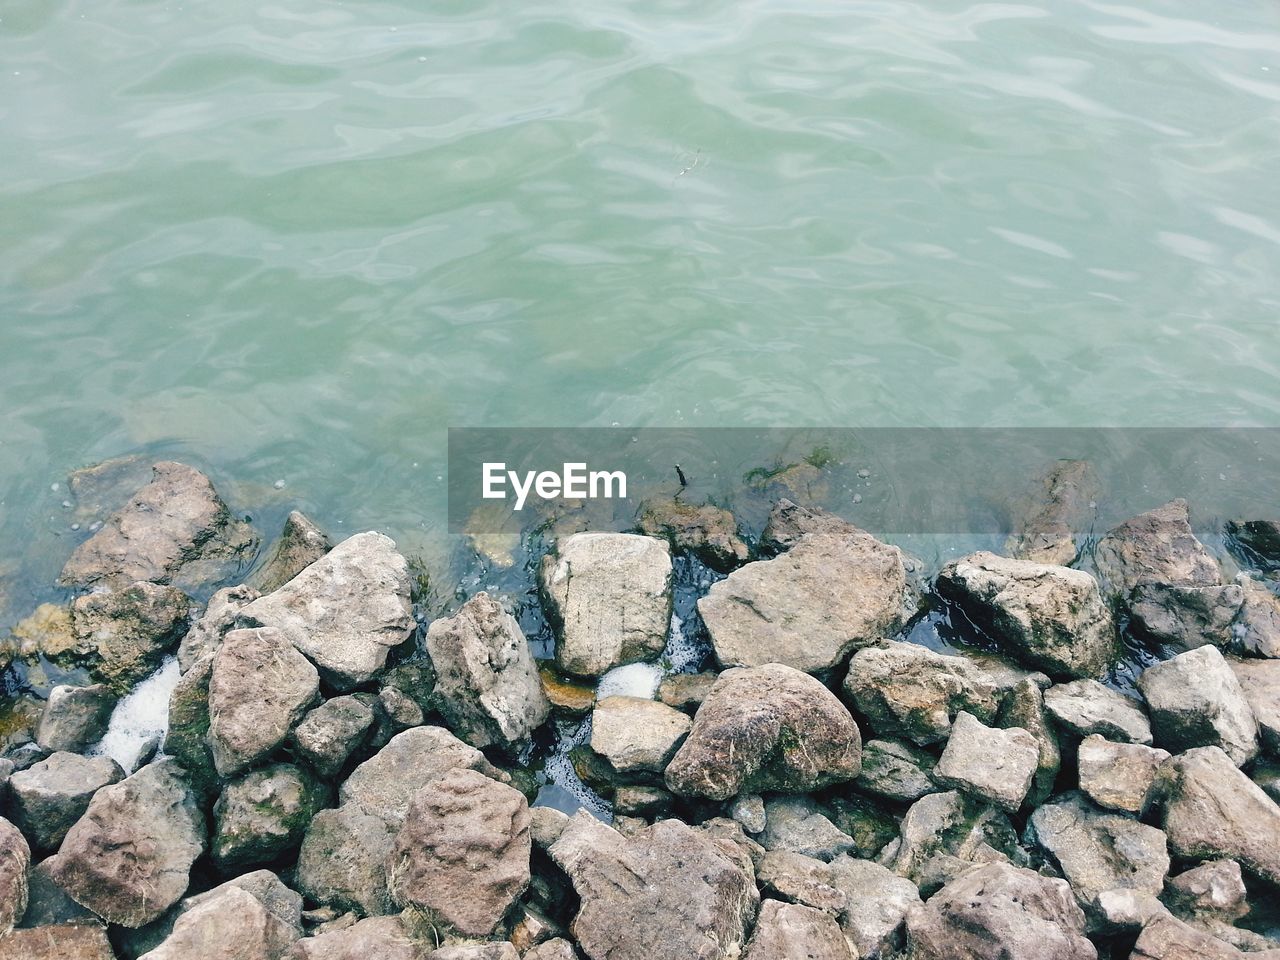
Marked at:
<point>667,893</point>
<point>301,544</point>
<point>128,859</point>
<point>1213,890</point>
<point>787,930</point>
<point>636,735</point>
<point>609,595</point>
<point>686,691</point>
<point>187,739</point>
<point>864,819</point>
<point>234,925</point>
<point>1213,811</point>
<point>344,612</point>
<point>50,796</point>
<point>533,927</point>
<point>343,860</point>
<point>1000,912</point>
<point>1185,617</point>
<point>566,696</point>
<point>487,685</point>
<point>1168,938</point>
<point>68,941</point>
<point>1100,851</point>
<point>263,814</point>
<point>463,852</point>
<point>1260,683</point>
<point>896,771</point>
<point>766,728</point>
<point>75,717</point>
<point>641,801</point>
<point>176,521</point>
<point>1086,707</point>
<point>1049,617</point>
<point>829,594</point>
<point>1195,701</point>
<point>798,825</point>
<point>15,860</point>
<point>708,532</point>
<point>1024,707</point>
<point>331,732</point>
<point>220,616</point>
<point>1156,547</point>
<point>1256,632</point>
<point>995,765</point>
<point>1258,540</point>
<point>124,634</point>
<point>796,878</point>
<point>260,688</point>
<point>1119,776</point>
<point>377,938</point>
<point>1061,509</point>
<point>909,691</point>
<point>749,813</point>
<point>878,904</point>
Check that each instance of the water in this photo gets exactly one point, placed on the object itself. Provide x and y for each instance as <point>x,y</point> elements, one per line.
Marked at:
<point>296,242</point>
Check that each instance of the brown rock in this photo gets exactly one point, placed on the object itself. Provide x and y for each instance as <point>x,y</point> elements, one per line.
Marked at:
<point>68,941</point>
<point>708,532</point>
<point>301,544</point>
<point>15,860</point>
<point>787,930</point>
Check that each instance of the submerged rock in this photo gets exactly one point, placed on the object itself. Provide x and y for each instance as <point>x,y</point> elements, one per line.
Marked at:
<point>1119,776</point>
<point>263,815</point>
<point>301,544</point>
<point>1196,701</point>
<point>1086,707</point>
<point>329,734</point>
<point>75,717</point>
<point>708,532</point>
<point>15,860</point>
<point>995,765</point>
<point>636,735</point>
<point>487,684</point>
<point>787,930</point>
<point>766,728</point>
<point>1156,547</point>
<point>1062,508</point>
<point>50,796</point>
<point>609,595</point>
<point>1185,617</point>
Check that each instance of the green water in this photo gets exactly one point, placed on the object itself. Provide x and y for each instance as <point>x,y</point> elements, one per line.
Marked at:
<point>297,240</point>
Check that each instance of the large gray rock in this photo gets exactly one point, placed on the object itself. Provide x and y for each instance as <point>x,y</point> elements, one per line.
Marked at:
<point>343,860</point>
<point>1024,707</point>
<point>174,522</point>
<point>15,860</point>
<point>329,734</point>
<point>1185,617</point>
<point>75,717</point>
<point>1050,617</point>
<point>708,532</point>
<point>1061,510</point>
<point>377,938</point>
<point>636,735</point>
<point>64,941</point>
<point>219,618</point>
<point>1156,547</point>
<point>234,925</point>
<point>896,771</point>
<point>128,859</point>
<point>609,595</point>
<point>668,892</point>
<point>260,687</point>
<point>798,825</point>
<point>1086,707</point>
<point>50,796</point>
<point>1260,683</point>
<point>1211,810</point>
<point>124,633</point>
<point>487,684</point>
<point>833,591</point>
<point>463,851</point>
<point>301,544</point>
<point>263,814</point>
<point>1000,912</point>
<point>1196,701</point>
<point>878,903</point>
<point>766,728</point>
<point>993,764</point>
<point>787,930</point>
<point>344,612</point>
<point>1119,776</point>
<point>1256,632</point>
<point>187,739</point>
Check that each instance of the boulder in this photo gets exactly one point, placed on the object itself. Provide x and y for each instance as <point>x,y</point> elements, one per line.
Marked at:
<point>950,823</point>
<point>766,728</point>
<point>377,938</point>
<point>787,930</point>
<point>1196,701</point>
<point>343,860</point>
<point>487,684</point>
<point>301,544</point>
<point>669,892</point>
<point>635,735</point>
<point>187,739</point>
<point>463,852</point>
<point>1185,617</point>
<point>1213,890</point>
<point>344,612</point>
<point>1260,683</point>
<point>1000,912</point>
<point>1167,938</point>
<point>75,717</point>
<point>15,860</point>
<point>263,815</point>
<point>328,735</point>
<point>50,796</point>
<point>1119,776</point>
<point>1156,547</point>
<point>993,764</point>
<point>260,688</point>
<point>1024,707</point>
<point>1086,707</point>
<point>1049,617</point>
<point>686,691</point>
<point>878,903</point>
<point>709,532</point>
<point>1061,509</point>
<point>220,617</point>
<point>128,859</point>
<point>125,633</point>
<point>609,596</point>
<point>798,825</point>
<point>1256,632</point>
<point>808,608</point>
<point>234,925</point>
<point>796,878</point>
<point>896,771</point>
<point>67,941</point>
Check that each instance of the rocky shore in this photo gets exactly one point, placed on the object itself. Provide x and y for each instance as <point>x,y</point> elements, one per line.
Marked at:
<point>1092,770</point>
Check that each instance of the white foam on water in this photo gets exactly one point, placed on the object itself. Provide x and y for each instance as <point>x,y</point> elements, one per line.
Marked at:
<point>139,718</point>
<point>633,680</point>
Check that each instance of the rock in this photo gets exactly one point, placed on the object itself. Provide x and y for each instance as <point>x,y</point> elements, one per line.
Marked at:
<point>1100,851</point>
<point>896,771</point>
<point>686,691</point>
<point>667,893</point>
<point>1086,707</point>
<point>766,728</point>
<point>463,852</point>
<point>1156,547</point>
<point>187,739</point>
<point>1258,540</point>
<point>637,735</point>
<point>174,522</point>
<point>749,813</point>
<point>385,783</point>
<point>75,717</point>
<point>1119,776</point>
<point>68,941</point>
<point>789,523</point>
<point>487,684</point>
<point>128,859</point>
<point>1167,938</point>
<point>1211,810</point>
<point>950,823</point>
<point>565,696</point>
<point>796,878</point>
<point>1024,707</point>
<point>1213,890</point>
<point>996,765</point>
<point>234,925</point>
<point>1185,617</point>
<point>331,732</point>
<point>301,544</point>
<point>1256,632</point>
<point>15,860</point>
<point>124,634</point>
<point>1000,912</point>
<point>1115,911</point>
<point>263,815</point>
<point>641,801</point>
<point>344,612</point>
<point>265,887</point>
<point>476,951</point>
<point>787,930</point>
<point>1260,683</point>
<point>878,904</point>
<point>545,825</point>
<point>377,938</point>
<point>1049,617</point>
<point>864,819</point>
<point>906,690</point>
<point>343,860</point>
<point>1062,509</point>
<point>829,594</point>
<point>797,825</point>
<point>47,904</point>
<point>708,532</point>
<point>220,616</point>
<point>1195,701</point>
<point>533,927</point>
<point>557,949</point>
<point>260,688</point>
<point>50,796</point>
<point>609,595</point>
